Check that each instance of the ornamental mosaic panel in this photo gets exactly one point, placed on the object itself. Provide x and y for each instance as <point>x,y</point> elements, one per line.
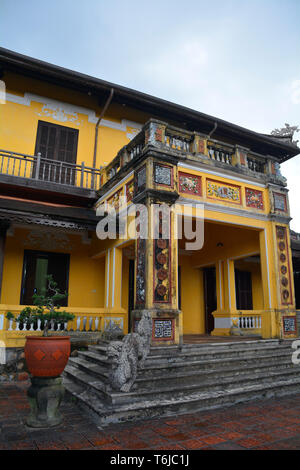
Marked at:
<point>115,199</point>
<point>163,175</point>
<point>254,198</point>
<point>190,184</point>
<point>163,329</point>
<point>280,202</point>
<point>129,190</point>
<point>140,179</point>
<point>284,266</point>
<point>223,192</point>
<point>289,325</point>
<point>161,266</point>
<point>140,296</point>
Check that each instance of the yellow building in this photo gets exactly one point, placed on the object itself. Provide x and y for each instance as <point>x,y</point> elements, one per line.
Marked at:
<point>71,143</point>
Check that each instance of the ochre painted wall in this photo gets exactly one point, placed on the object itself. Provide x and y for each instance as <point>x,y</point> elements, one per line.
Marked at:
<point>86,277</point>
<point>29,100</point>
<point>192,298</point>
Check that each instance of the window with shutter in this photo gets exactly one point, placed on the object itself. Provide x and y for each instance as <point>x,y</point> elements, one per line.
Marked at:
<point>59,144</point>
<point>39,264</point>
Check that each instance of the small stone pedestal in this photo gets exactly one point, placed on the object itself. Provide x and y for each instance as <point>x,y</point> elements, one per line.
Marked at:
<point>45,395</point>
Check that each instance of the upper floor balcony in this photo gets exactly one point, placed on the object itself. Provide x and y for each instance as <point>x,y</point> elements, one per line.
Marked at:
<point>38,172</point>
<point>35,171</point>
<point>193,146</point>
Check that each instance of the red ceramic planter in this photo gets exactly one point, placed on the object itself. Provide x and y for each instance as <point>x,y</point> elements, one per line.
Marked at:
<point>47,356</point>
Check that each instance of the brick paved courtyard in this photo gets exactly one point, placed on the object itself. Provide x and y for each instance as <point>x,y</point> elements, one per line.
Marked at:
<point>267,425</point>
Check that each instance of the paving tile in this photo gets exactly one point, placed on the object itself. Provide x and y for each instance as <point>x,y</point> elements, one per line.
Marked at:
<point>193,444</point>
<point>213,440</point>
<point>265,425</point>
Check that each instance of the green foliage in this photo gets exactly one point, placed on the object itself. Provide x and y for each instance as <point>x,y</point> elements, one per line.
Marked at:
<point>47,307</point>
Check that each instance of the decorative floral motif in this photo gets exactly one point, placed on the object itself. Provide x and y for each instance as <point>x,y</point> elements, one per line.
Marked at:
<point>254,198</point>
<point>190,184</point>
<point>223,191</point>
<point>141,272</point>
<point>115,200</point>
<point>161,267</point>
<point>284,268</point>
<point>130,191</point>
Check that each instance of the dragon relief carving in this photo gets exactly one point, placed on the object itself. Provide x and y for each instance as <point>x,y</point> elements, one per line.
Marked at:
<point>128,355</point>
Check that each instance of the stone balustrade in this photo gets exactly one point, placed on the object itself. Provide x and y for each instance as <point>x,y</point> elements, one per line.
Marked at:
<point>166,138</point>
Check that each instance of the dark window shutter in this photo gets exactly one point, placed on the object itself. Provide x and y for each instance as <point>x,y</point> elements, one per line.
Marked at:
<point>56,142</point>
<point>243,284</point>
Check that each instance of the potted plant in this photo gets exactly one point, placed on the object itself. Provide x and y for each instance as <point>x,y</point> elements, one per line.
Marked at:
<point>46,356</point>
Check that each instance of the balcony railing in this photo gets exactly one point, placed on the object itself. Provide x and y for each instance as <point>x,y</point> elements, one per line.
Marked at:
<point>51,171</point>
<point>172,139</point>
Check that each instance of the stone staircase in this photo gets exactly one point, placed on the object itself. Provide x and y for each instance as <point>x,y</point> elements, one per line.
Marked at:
<point>175,381</point>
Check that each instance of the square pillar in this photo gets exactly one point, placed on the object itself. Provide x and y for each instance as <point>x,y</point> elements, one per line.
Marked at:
<point>156,253</point>
<point>226,313</point>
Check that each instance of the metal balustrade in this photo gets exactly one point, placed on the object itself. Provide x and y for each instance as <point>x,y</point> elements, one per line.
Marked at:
<point>52,171</point>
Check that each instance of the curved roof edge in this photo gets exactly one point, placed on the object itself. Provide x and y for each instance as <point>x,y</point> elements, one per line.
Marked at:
<point>21,63</point>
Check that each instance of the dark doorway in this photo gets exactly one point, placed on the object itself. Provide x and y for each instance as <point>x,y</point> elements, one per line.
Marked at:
<point>39,264</point>
<point>131,292</point>
<point>56,143</point>
<point>243,289</point>
<point>296,265</point>
<point>210,297</point>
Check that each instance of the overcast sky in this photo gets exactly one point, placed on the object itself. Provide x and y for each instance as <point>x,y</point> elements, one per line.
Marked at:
<point>238,60</point>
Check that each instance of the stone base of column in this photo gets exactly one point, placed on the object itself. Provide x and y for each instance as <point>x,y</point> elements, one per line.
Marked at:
<point>166,326</point>
<point>45,395</point>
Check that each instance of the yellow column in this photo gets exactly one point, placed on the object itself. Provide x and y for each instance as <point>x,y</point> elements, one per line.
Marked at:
<point>226,298</point>
<point>229,281</point>
<point>220,285</point>
<point>107,288</point>
<point>116,282</point>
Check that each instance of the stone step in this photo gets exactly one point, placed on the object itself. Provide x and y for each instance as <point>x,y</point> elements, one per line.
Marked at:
<point>208,385</point>
<point>179,375</point>
<point>188,377</point>
<point>86,380</point>
<point>150,370</point>
<point>182,375</point>
<point>221,353</point>
<point>105,414</point>
<point>93,369</point>
<point>172,386</point>
<point>258,344</point>
<point>201,353</point>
